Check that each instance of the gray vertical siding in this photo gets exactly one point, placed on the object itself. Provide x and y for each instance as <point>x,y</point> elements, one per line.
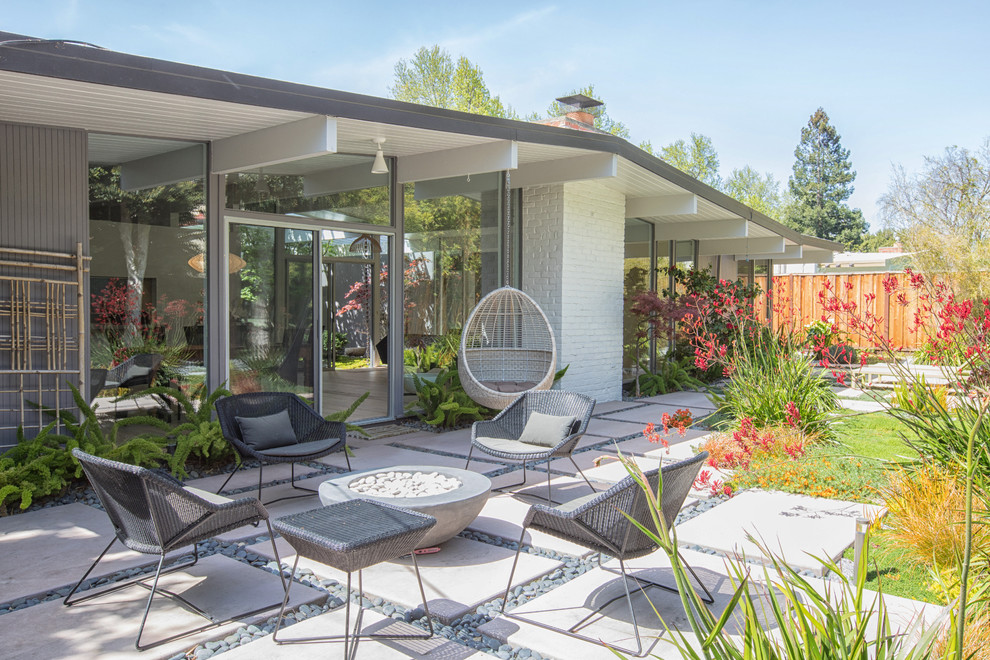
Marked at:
<point>43,206</point>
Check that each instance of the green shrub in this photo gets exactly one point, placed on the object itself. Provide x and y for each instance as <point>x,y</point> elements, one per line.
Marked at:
<point>773,384</point>
<point>444,403</point>
<point>43,465</point>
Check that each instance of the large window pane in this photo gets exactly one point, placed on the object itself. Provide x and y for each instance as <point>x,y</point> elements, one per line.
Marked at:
<point>337,188</point>
<point>354,280</point>
<point>148,247</point>
<point>271,310</point>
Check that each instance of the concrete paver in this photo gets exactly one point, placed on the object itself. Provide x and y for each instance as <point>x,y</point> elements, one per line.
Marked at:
<point>248,477</point>
<point>794,527</point>
<point>106,627</point>
<point>682,400</point>
<point>610,428</point>
<point>332,623</point>
<point>644,415</point>
<point>52,548</point>
<point>503,516</point>
<point>368,458</point>
<point>452,579</point>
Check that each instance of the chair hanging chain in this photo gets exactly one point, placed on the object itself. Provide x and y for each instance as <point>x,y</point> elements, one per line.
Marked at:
<point>507,245</point>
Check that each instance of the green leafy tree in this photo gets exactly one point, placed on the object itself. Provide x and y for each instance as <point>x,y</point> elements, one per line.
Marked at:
<point>758,191</point>
<point>821,183</point>
<point>696,157</point>
<point>873,242</point>
<point>603,122</point>
<point>432,78</point>
<point>942,215</point>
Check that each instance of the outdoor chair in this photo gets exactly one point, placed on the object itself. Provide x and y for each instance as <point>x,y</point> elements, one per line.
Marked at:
<point>507,348</point>
<point>537,426</point>
<point>153,513</point>
<point>138,372</point>
<point>597,522</point>
<point>278,427</point>
<point>97,383</point>
<point>351,536</point>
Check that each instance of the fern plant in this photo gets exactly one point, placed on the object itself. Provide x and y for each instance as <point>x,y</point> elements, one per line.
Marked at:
<point>672,375</point>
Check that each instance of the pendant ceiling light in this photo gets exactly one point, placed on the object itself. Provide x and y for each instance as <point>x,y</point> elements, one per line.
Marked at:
<point>379,166</point>
<point>261,185</point>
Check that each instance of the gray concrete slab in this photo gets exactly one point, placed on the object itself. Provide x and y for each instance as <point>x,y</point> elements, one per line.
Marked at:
<point>652,413</point>
<point>368,458</point>
<point>332,623</point>
<point>249,477</point>
<point>572,602</point>
<point>503,516</point>
<point>52,548</point>
<point>106,627</point>
<point>796,528</point>
<point>454,442</point>
<point>457,579</point>
<point>682,400</point>
<point>862,406</point>
<point>612,406</point>
<point>610,428</point>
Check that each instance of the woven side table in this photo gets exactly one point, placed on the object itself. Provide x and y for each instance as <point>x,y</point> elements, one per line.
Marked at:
<point>351,536</point>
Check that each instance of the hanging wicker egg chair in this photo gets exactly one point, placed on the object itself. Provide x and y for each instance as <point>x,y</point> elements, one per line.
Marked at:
<point>507,348</point>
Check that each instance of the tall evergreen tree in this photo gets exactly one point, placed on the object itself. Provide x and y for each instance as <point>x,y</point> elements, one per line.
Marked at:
<point>821,183</point>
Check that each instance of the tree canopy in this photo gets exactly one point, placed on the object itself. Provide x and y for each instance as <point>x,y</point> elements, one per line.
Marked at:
<point>821,183</point>
<point>758,191</point>
<point>696,157</point>
<point>942,214</point>
<point>432,77</point>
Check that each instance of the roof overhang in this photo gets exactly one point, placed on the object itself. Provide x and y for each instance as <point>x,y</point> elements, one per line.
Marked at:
<point>100,91</point>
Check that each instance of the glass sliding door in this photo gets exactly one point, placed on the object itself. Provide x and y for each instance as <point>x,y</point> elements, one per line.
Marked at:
<point>354,282</point>
<point>272,319</point>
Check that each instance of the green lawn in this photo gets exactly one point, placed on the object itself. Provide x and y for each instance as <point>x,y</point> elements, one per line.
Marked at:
<point>890,570</point>
<point>874,435</point>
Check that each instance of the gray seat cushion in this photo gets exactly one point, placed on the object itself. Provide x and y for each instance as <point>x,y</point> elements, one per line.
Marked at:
<point>509,386</point>
<point>505,446</point>
<point>302,448</point>
<point>267,431</point>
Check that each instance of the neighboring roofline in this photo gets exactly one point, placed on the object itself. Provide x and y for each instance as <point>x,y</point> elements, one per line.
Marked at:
<point>70,61</point>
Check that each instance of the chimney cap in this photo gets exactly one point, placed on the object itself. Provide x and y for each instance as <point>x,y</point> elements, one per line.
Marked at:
<point>578,102</point>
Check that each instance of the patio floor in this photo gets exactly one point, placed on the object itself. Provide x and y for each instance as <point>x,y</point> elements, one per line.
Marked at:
<point>43,552</point>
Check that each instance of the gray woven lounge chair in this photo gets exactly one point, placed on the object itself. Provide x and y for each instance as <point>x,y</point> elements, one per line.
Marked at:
<point>500,436</point>
<point>597,522</point>
<point>301,434</point>
<point>138,372</point>
<point>154,514</point>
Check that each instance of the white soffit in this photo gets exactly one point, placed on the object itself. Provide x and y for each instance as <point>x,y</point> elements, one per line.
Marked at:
<point>306,138</point>
<point>44,101</point>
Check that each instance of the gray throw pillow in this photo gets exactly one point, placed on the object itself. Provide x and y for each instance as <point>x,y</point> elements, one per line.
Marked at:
<point>267,432</point>
<point>546,430</point>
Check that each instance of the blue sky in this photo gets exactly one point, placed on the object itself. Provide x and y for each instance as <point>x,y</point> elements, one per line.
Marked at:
<point>899,80</point>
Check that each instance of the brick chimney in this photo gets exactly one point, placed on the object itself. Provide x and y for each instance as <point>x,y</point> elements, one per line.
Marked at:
<point>576,113</point>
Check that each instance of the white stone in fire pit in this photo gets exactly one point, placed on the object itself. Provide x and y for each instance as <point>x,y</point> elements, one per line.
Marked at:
<point>454,497</point>
<point>404,484</point>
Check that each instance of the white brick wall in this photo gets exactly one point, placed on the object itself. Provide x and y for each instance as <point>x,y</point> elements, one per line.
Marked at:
<point>572,266</point>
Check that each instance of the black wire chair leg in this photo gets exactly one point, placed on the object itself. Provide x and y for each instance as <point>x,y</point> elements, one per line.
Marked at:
<point>230,476</point>
<point>470,451</point>
<point>502,489</point>
<point>515,561</point>
<point>121,585</point>
<point>147,608</point>
<point>306,491</point>
<point>353,634</point>
<point>581,472</point>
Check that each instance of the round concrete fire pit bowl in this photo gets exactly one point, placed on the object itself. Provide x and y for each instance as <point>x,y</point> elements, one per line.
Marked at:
<point>453,509</point>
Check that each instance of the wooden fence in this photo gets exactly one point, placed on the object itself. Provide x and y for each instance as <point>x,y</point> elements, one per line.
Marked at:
<point>796,303</point>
